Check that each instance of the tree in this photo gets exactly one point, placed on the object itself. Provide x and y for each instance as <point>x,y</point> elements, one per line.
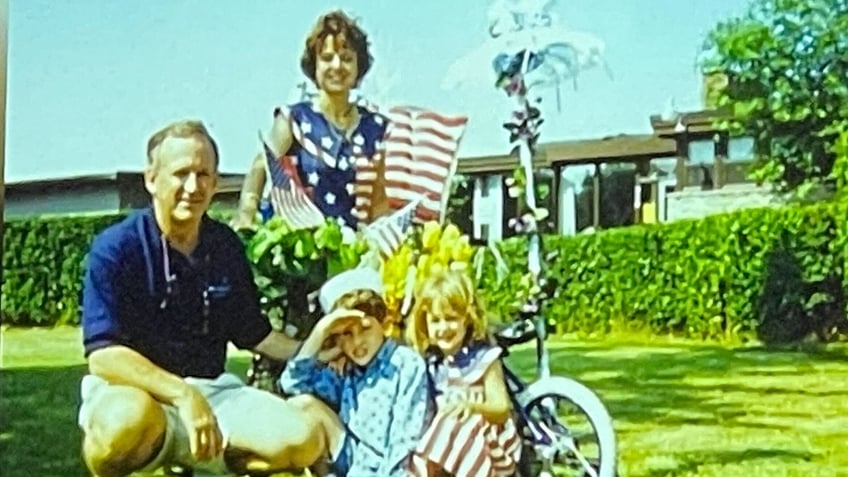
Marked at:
<point>786,66</point>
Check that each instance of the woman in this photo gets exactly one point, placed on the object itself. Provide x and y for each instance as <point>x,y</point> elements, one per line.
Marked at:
<point>328,136</point>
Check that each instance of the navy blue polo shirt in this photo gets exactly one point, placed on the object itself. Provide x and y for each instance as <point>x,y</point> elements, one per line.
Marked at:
<point>182,324</point>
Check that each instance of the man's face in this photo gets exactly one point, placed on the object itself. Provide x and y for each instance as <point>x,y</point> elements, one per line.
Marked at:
<point>361,341</point>
<point>336,66</point>
<point>182,177</point>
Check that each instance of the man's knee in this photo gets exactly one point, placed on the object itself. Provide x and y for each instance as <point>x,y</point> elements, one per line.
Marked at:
<point>125,429</point>
<point>284,433</point>
<point>316,431</point>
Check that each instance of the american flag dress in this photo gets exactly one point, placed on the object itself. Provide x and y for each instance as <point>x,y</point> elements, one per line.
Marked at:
<point>472,447</point>
<point>325,158</point>
<point>337,170</point>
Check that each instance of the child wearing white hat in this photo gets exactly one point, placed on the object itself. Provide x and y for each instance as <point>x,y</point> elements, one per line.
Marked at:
<point>381,391</point>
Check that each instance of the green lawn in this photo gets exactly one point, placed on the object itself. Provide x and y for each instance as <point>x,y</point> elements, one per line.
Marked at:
<point>681,408</point>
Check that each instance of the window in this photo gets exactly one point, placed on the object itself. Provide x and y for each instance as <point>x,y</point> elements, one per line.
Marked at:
<point>484,232</point>
<point>700,167</point>
<point>663,166</point>
<point>740,149</point>
<point>702,152</point>
<point>484,187</point>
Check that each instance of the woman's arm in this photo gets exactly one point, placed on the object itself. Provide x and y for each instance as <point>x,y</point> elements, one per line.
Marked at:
<point>280,141</point>
<point>251,192</point>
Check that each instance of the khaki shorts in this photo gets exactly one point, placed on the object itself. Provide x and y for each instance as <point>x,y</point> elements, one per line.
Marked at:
<point>229,397</point>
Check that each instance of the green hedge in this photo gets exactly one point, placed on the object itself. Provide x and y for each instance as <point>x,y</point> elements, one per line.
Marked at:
<point>43,265</point>
<point>776,273</point>
<point>43,260</point>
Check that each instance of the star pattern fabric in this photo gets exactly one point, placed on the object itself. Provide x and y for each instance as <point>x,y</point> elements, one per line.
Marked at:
<point>384,406</point>
<point>329,175</point>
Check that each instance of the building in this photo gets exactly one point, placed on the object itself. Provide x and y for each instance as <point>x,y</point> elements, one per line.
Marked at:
<point>687,168</point>
<point>95,194</point>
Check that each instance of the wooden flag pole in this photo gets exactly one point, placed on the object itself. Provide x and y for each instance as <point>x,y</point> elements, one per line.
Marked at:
<point>4,46</point>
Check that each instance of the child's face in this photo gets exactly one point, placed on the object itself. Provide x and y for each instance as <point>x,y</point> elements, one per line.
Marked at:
<point>361,341</point>
<point>446,329</point>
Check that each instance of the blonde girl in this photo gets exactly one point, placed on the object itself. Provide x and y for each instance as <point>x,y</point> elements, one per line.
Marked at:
<point>472,433</point>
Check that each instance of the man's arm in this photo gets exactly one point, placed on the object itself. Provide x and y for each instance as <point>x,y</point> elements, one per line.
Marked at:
<point>119,364</point>
<point>277,346</point>
<point>109,358</point>
<point>280,140</point>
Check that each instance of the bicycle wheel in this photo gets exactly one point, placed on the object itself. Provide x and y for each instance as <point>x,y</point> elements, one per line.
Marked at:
<point>568,429</point>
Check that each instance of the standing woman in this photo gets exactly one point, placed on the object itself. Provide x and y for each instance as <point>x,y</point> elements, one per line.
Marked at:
<point>325,138</point>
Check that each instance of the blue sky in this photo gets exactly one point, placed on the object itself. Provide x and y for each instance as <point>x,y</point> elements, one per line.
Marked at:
<point>90,80</point>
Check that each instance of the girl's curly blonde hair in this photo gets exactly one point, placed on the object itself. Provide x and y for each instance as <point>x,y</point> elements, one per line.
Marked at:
<point>443,292</point>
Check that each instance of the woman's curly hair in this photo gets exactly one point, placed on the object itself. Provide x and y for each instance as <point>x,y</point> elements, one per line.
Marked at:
<point>343,29</point>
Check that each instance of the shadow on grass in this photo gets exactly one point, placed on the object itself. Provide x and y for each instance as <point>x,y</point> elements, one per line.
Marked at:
<point>643,386</point>
<point>39,436</point>
<point>690,462</point>
<point>646,386</point>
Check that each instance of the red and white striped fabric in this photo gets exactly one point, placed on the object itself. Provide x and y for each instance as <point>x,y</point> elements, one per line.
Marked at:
<point>471,448</point>
<point>420,150</point>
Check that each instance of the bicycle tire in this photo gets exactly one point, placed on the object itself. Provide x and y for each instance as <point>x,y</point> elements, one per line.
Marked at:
<point>590,404</point>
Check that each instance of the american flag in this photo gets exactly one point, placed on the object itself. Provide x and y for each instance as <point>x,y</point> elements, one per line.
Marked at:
<point>419,151</point>
<point>388,233</point>
<point>288,198</point>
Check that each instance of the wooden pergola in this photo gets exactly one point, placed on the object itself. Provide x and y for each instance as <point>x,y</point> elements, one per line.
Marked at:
<point>637,149</point>
<point>671,138</point>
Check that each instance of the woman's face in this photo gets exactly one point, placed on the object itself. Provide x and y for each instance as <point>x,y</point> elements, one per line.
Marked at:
<point>336,67</point>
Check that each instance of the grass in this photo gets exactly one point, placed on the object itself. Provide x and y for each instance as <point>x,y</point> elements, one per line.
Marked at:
<point>681,408</point>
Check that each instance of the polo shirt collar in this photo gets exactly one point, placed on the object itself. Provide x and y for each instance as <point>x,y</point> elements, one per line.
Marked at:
<point>151,242</point>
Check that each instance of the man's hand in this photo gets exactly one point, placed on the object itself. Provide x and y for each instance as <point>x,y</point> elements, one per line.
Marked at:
<point>199,420</point>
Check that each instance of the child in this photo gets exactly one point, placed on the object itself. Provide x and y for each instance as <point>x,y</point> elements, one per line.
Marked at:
<point>473,433</point>
<point>379,390</point>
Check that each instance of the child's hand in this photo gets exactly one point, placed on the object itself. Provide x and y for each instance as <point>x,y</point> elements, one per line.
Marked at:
<point>339,320</point>
<point>325,331</point>
<point>330,350</point>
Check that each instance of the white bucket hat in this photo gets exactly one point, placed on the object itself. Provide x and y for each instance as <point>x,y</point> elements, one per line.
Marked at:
<point>346,282</point>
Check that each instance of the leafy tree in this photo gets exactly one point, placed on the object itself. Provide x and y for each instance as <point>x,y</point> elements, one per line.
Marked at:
<point>786,71</point>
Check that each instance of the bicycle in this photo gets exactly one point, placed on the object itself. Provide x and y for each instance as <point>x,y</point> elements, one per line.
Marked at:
<point>551,447</point>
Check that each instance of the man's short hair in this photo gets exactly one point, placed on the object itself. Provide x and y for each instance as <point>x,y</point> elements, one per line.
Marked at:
<point>182,129</point>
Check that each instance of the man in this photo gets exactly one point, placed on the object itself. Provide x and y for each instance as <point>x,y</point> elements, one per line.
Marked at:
<point>165,290</point>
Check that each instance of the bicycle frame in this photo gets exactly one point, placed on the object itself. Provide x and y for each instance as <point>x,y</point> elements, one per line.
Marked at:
<point>516,386</point>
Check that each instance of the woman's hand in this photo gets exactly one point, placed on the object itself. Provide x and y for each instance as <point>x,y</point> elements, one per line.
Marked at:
<point>379,198</point>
